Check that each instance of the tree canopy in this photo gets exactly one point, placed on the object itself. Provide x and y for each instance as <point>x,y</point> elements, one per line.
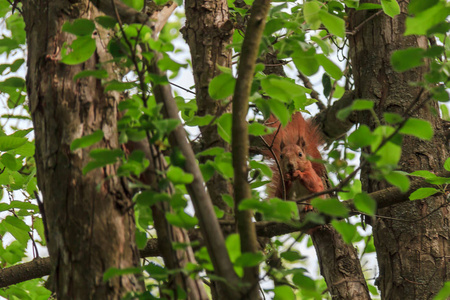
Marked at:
<point>142,187</point>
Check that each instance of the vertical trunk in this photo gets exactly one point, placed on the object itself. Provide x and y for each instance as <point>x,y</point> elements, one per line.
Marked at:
<point>411,254</point>
<point>208,32</point>
<point>91,226</point>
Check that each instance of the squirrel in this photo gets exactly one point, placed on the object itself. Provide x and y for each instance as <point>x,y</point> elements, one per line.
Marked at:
<point>292,145</point>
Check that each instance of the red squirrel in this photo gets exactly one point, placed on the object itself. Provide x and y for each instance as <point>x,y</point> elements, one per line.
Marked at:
<point>293,145</point>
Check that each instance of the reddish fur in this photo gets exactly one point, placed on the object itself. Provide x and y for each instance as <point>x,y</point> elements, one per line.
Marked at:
<point>299,135</point>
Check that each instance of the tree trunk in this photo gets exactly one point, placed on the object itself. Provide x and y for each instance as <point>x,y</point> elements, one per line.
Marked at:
<point>411,254</point>
<point>90,223</point>
<point>208,32</point>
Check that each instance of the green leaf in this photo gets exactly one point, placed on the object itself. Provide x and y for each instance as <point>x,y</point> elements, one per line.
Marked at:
<point>4,207</point>
<point>392,118</point>
<point>228,200</point>
<point>16,222</point>
<point>141,239</point>
<point>304,282</point>
<point>223,164</point>
<point>360,104</point>
<point>283,89</point>
<point>439,180</point>
<point>423,193</point>
<point>330,206</point>
<point>106,21</point>
<point>326,83</point>
<point>181,219</point>
<point>306,62</point>
<point>178,176</point>
<point>166,63</point>
<point>390,153</point>
<point>222,86</point>
<point>361,137</point>
<point>424,174</point>
<point>200,120</point>
<point>10,162</point>
<point>39,226</point>
<point>249,259</point>
<point>211,152</point>
<point>424,20</point>
<point>284,292</point>
<point>17,228</point>
<point>107,155</point>
<point>274,209</point>
<point>256,128</point>
<point>364,203</point>
<point>333,23</point>
<point>399,180</point>
<point>447,164</point>
<point>444,293</point>
<point>24,205</point>
<point>311,11</point>
<point>265,169</point>
<point>390,7</point>
<point>366,6</point>
<point>9,142</point>
<point>92,165</point>
<point>403,60</point>
<point>80,27</point>
<point>224,127</point>
<point>291,256</point>
<point>115,85</point>
<point>87,140</point>
<point>280,111</point>
<point>417,6</point>
<point>233,245</point>
<point>82,49</point>
<point>329,66</point>
<point>344,113</point>
<point>148,198</point>
<point>99,74</point>
<point>348,231</point>
<point>418,128</point>
<point>136,4</point>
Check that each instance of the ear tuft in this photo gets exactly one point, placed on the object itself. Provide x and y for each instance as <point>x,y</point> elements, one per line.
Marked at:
<point>301,142</point>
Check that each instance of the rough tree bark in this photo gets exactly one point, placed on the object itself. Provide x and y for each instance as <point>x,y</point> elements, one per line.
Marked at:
<point>90,223</point>
<point>339,262</point>
<point>412,255</point>
<point>208,31</point>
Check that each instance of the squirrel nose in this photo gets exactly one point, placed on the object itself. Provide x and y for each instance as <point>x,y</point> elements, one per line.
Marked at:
<point>290,166</point>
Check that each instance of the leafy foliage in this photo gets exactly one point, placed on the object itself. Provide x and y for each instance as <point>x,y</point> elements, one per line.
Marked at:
<point>306,36</point>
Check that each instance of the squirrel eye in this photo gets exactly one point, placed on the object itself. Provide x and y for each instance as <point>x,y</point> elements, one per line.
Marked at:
<point>300,154</point>
<point>281,156</point>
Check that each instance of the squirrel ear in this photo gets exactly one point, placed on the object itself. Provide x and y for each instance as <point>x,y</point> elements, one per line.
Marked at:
<point>282,145</point>
<point>301,142</point>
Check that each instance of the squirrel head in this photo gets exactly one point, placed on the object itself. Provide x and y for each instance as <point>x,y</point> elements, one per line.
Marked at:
<point>293,157</point>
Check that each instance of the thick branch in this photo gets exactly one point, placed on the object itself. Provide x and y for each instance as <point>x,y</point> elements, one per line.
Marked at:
<point>204,210</point>
<point>240,142</point>
<point>40,267</point>
<point>331,127</point>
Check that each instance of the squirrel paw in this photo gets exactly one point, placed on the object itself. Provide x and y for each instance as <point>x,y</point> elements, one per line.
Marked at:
<point>308,207</point>
<point>293,176</point>
<point>297,174</point>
